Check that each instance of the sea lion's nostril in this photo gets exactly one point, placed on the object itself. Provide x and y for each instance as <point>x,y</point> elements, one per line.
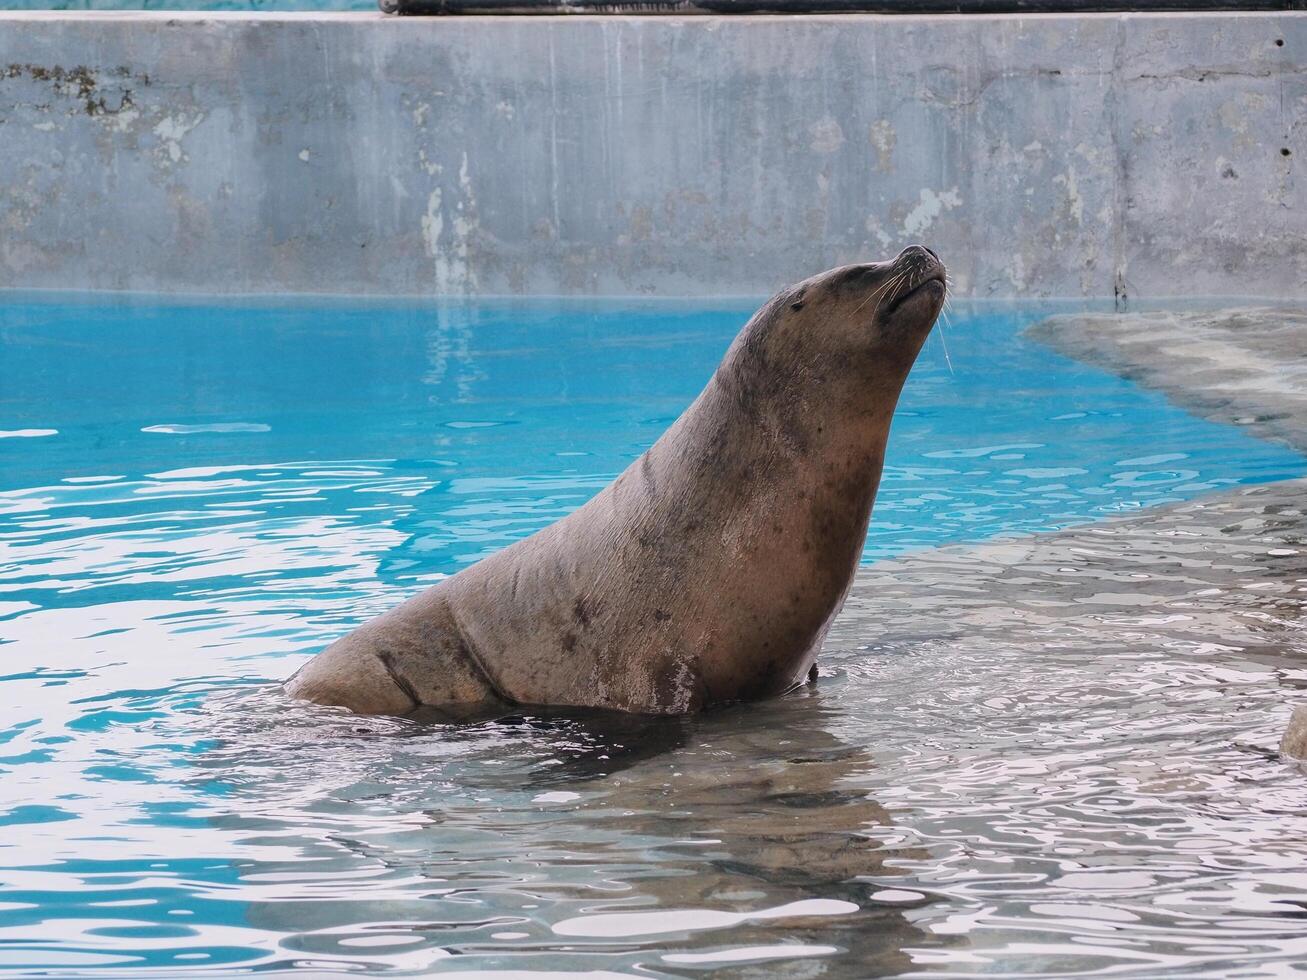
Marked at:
<point>916,252</point>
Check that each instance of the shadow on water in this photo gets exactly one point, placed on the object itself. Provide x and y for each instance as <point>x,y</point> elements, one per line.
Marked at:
<point>565,841</point>
<point>592,745</point>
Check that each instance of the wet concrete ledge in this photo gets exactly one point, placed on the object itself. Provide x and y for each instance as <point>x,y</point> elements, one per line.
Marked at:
<point>1205,598</point>
<point>1244,367</point>
<point>1227,569</point>
<point>1212,586</point>
<point>1049,155</point>
<point>1212,593</point>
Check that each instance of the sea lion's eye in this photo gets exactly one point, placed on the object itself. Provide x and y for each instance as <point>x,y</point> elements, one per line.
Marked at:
<point>797,302</point>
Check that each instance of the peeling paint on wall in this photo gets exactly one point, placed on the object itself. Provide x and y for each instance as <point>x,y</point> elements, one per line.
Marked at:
<point>930,207</point>
<point>883,137</point>
<point>171,131</point>
<point>825,136</point>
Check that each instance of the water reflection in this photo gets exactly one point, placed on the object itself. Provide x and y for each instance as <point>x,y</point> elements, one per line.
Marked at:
<point>1049,755</point>
<point>561,842</point>
<point>1096,714</point>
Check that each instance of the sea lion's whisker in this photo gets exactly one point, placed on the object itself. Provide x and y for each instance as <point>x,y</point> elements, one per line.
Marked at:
<point>875,293</point>
<point>945,309</point>
<point>881,294</point>
<point>942,341</point>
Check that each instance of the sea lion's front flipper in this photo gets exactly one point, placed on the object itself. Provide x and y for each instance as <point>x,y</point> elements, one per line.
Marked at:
<point>412,657</point>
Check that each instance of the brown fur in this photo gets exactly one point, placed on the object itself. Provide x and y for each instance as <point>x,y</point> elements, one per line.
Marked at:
<point>708,571</point>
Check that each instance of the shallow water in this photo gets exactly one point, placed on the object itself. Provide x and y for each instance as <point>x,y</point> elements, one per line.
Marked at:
<point>1009,781</point>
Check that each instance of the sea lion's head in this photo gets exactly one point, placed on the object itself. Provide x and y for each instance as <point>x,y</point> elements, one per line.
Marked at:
<point>881,307</point>
<point>854,331</point>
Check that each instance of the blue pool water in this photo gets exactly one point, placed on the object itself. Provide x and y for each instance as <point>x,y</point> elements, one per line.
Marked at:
<point>458,430</point>
<point>195,497</point>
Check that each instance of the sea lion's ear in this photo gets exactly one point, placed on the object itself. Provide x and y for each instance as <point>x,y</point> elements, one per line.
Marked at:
<point>796,298</point>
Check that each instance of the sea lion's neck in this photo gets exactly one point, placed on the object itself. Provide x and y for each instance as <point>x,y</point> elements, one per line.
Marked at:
<point>741,449</point>
<point>754,425</point>
<point>780,498</point>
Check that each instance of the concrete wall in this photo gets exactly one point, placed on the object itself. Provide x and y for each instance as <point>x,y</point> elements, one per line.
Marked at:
<point>1040,155</point>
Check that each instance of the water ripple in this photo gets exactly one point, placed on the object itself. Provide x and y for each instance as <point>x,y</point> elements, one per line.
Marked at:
<point>1049,755</point>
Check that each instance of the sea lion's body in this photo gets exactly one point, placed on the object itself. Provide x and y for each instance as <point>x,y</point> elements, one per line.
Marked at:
<point>710,569</point>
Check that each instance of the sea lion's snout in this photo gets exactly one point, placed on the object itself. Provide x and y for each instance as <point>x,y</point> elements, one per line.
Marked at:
<point>917,252</point>
<point>918,284</point>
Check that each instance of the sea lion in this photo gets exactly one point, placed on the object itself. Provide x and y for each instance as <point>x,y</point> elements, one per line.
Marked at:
<point>709,571</point>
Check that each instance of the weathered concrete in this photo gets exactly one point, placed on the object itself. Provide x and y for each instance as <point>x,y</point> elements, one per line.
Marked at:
<point>1242,367</point>
<point>1223,569</point>
<point>1044,155</point>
